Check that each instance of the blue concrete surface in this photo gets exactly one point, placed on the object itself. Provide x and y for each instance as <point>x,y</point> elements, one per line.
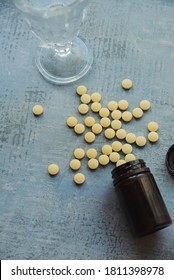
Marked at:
<point>51,218</point>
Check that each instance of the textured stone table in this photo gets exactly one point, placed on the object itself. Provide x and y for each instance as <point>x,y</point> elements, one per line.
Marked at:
<point>51,218</point>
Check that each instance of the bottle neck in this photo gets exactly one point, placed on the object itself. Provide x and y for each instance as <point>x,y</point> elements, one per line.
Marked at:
<point>128,169</point>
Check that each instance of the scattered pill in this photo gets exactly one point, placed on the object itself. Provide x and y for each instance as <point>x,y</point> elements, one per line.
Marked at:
<point>145,105</point>
<point>116,146</point>
<point>152,126</point>
<point>75,164</point>
<point>85,98</point>
<point>83,109</point>
<point>116,124</point>
<point>81,90</point>
<point>137,113</point>
<point>104,112</point>
<point>107,150</point>
<point>105,122</point>
<point>153,136</point>
<point>114,157</point>
<point>116,114</point>
<point>109,133</point>
<point>79,128</point>
<point>71,121</point>
<point>112,105</point>
<point>130,138</point>
<point>97,128</point>
<point>91,153</point>
<point>121,133</point>
<point>129,157</point>
<point>37,110</point>
<point>103,159</point>
<point>123,104</point>
<point>141,141</point>
<point>95,107</point>
<point>79,153</point>
<point>96,97</point>
<point>53,169</point>
<point>126,116</point>
<point>127,148</point>
<point>89,137</point>
<point>93,163</point>
<point>127,84</point>
<point>89,121</point>
<point>79,178</point>
<point>120,162</point>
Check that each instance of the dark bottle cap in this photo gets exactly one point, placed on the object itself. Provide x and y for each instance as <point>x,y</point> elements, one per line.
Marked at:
<point>170,159</point>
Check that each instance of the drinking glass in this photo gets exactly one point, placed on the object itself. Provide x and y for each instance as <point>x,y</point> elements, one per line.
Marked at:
<point>62,55</point>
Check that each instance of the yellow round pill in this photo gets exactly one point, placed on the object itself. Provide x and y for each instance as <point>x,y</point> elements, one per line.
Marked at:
<point>129,157</point>
<point>96,97</point>
<point>89,137</point>
<point>85,98</point>
<point>153,136</point>
<point>89,121</point>
<point>75,164</point>
<point>152,126</point>
<point>79,178</point>
<point>114,157</point>
<point>71,121</point>
<point>106,149</point>
<point>123,104</point>
<point>130,138</point>
<point>37,110</point>
<point>116,146</point>
<point>91,153</point>
<point>126,116</point>
<point>145,105</point>
<point>104,112</point>
<point>79,128</point>
<point>93,163</point>
<point>116,124</point>
<point>116,114</point>
<point>127,84</point>
<point>95,107</point>
<point>137,113</point>
<point>83,109</point>
<point>141,141</point>
<point>105,122</point>
<point>81,90</point>
<point>103,159</point>
<point>53,169</point>
<point>120,162</point>
<point>121,133</point>
<point>112,105</point>
<point>127,149</point>
<point>79,153</point>
<point>97,128</point>
<point>109,133</point>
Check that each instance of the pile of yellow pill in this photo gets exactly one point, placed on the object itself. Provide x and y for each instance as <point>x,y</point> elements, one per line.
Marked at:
<point>118,145</point>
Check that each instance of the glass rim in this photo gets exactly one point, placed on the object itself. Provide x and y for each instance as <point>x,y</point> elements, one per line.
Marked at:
<point>28,8</point>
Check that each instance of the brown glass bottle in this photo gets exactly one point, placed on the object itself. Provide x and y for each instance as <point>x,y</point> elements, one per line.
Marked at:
<point>140,198</point>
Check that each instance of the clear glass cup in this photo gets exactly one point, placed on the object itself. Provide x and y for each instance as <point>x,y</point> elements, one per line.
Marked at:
<point>62,56</point>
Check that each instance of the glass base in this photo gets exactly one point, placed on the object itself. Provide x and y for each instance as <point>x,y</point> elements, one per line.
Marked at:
<point>64,65</point>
